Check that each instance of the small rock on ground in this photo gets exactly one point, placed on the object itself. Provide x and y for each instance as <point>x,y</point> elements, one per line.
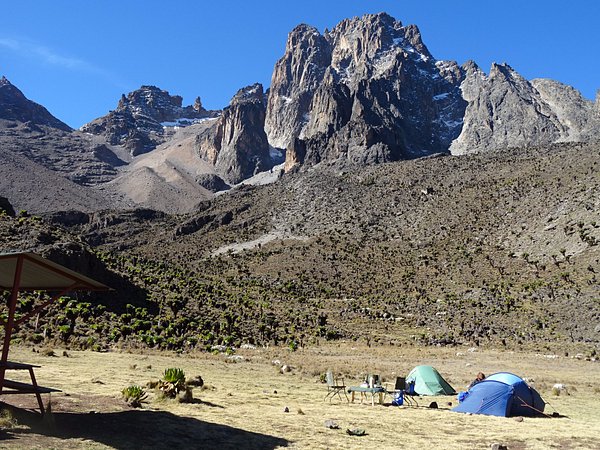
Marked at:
<point>331,424</point>
<point>497,446</point>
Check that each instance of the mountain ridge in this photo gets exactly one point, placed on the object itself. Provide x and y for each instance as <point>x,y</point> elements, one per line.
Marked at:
<point>379,231</point>
<point>366,92</point>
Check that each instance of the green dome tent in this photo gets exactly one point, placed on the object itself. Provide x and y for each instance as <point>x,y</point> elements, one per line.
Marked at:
<point>428,381</point>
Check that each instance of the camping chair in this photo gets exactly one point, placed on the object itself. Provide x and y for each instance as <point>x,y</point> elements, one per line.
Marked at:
<point>403,389</point>
<point>334,387</point>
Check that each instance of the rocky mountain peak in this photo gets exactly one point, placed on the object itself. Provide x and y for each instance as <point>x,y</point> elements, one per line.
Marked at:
<point>503,71</point>
<point>365,40</point>
<point>236,144</point>
<point>413,36</point>
<point>249,94</point>
<point>377,23</point>
<point>15,106</point>
<point>303,36</point>
<point>369,92</point>
<point>156,103</point>
<point>470,68</point>
<point>198,105</point>
<point>504,110</point>
<point>295,77</point>
<point>143,117</point>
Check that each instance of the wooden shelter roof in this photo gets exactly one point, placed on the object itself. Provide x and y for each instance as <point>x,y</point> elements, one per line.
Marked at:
<point>41,274</point>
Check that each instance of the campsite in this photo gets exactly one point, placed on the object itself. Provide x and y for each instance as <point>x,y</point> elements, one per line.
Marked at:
<point>245,396</point>
<point>304,225</point>
<point>344,395</point>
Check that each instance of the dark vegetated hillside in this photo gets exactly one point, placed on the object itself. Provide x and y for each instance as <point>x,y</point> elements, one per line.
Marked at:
<point>494,249</point>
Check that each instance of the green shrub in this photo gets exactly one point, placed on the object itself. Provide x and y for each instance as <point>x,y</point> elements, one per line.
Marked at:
<point>174,375</point>
<point>173,382</point>
<point>36,338</point>
<point>65,331</point>
<point>134,395</point>
<point>7,421</point>
<point>90,341</point>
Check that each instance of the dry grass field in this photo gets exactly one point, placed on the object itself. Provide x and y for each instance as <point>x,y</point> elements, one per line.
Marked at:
<point>243,403</point>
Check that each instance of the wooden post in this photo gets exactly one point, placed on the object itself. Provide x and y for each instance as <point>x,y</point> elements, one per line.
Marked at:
<point>11,318</point>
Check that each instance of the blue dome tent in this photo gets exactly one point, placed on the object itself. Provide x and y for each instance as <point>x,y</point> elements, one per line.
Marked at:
<point>502,394</point>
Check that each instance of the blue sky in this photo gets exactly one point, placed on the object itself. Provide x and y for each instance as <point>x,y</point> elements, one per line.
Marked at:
<point>77,57</point>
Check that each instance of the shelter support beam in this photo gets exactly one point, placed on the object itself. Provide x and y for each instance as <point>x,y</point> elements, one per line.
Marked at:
<point>11,317</point>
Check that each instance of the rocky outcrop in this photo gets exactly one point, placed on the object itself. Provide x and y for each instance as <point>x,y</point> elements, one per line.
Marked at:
<point>237,144</point>
<point>369,91</point>
<point>16,107</point>
<point>575,112</point>
<point>506,110</point>
<point>144,118</point>
<point>296,77</point>
<point>6,207</point>
<point>212,182</point>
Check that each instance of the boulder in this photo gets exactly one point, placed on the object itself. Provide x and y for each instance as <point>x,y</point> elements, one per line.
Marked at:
<point>6,207</point>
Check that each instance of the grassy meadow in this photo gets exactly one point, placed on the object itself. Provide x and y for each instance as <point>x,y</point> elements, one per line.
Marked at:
<point>244,399</point>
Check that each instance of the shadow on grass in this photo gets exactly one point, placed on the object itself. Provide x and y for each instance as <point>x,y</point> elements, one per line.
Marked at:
<point>197,401</point>
<point>133,429</point>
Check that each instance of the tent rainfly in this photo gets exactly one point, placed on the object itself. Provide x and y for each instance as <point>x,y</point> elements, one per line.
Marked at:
<point>428,381</point>
<point>502,394</point>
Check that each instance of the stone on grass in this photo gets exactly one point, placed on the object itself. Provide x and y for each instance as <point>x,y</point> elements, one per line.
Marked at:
<point>331,424</point>
<point>496,446</point>
<point>560,388</point>
<point>185,396</point>
<point>197,381</point>
<point>356,432</point>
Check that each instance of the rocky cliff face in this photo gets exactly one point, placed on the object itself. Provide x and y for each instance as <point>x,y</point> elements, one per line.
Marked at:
<point>237,144</point>
<point>369,91</point>
<point>144,117</point>
<point>505,110</point>
<point>574,112</point>
<point>14,106</point>
<point>296,77</point>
